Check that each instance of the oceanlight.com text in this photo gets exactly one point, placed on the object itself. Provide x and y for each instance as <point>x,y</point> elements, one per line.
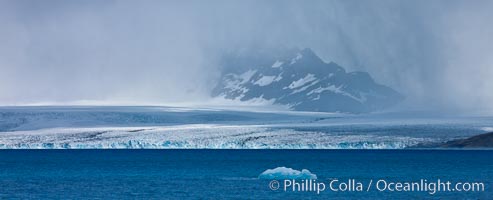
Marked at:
<point>381,185</point>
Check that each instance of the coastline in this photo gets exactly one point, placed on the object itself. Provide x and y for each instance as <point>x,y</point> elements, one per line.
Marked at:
<point>481,141</point>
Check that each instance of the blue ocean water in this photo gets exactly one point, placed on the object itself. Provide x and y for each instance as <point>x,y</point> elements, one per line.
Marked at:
<point>230,174</point>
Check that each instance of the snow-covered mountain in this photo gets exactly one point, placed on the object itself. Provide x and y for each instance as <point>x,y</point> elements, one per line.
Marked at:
<point>302,81</point>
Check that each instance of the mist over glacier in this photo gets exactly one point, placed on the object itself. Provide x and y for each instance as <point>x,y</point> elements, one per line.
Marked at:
<point>437,53</point>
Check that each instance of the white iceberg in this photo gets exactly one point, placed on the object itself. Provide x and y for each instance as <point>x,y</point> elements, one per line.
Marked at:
<point>286,173</point>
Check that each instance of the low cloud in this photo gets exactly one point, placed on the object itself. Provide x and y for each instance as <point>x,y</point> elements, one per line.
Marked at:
<point>437,53</point>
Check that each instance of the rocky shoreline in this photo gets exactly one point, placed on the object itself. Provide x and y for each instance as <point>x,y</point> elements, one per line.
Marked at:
<point>478,141</point>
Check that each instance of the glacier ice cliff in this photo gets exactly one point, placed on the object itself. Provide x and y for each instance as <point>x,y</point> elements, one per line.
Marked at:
<point>197,136</point>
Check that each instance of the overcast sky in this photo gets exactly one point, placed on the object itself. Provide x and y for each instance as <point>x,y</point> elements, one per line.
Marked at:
<point>439,54</point>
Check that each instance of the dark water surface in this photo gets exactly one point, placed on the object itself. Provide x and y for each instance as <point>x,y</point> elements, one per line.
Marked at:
<point>231,174</point>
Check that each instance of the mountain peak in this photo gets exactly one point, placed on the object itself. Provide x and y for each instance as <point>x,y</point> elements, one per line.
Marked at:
<point>308,52</point>
<point>304,82</point>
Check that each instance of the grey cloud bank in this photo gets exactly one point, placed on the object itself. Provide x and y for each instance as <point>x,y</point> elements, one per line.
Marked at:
<point>437,53</point>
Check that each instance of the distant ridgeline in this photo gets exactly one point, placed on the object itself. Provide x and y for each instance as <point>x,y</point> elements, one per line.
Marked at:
<point>302,81</point>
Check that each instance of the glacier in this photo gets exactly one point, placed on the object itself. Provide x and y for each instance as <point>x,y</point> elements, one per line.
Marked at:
<point>197,136</point>
<point>192,128</point>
